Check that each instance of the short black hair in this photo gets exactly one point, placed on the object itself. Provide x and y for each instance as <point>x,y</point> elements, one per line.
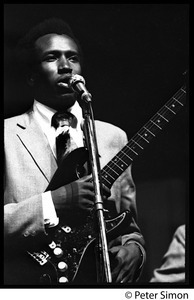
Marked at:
<point>25,50</point>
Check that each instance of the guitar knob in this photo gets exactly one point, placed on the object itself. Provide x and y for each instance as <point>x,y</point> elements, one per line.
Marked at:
<point>58,252</point>
<point>52,245</point>
<point>66,229</point>
<point>62,266</point>
<point>63,279</point>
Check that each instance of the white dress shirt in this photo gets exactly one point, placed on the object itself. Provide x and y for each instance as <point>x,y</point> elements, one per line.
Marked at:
<point>43,114</point>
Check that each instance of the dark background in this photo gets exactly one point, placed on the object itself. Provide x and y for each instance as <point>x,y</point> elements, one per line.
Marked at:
<point>134,58</point>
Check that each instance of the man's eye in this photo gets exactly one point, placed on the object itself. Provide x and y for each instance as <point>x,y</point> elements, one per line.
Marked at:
<point>73,58</point>
<point>50,58</point>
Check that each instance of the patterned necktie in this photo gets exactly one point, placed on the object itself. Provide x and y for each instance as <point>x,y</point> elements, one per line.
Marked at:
<point>64,144</point>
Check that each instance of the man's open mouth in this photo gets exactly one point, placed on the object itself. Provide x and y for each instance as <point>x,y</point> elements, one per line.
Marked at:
<point>64,83</point>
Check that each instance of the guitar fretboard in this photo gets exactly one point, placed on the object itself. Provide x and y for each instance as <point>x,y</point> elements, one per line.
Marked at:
<point>142,138</point>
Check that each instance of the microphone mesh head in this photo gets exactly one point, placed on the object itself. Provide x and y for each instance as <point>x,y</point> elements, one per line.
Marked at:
<point>75,79</point>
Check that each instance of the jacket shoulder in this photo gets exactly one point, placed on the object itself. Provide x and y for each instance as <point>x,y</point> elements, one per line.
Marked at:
<point>109,128</point>
<point>110,133</point>
<point>20,120</point>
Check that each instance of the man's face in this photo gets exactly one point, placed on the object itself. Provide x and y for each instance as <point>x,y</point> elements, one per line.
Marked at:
<point>58,59</point>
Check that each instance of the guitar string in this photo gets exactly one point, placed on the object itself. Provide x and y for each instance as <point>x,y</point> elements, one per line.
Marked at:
<point>123,154</point>
<point>150,127</point>
<point>154,119</point>
<point>170,105</point>
<point>174,99</point>
<point>145,127</point>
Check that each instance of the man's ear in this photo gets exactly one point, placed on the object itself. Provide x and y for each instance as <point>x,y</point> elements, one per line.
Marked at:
<point>31,79</point>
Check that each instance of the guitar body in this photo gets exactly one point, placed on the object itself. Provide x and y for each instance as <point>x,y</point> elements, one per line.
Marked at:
<point>70,169</point>
<point>77,245</point>
<point>21,270</point>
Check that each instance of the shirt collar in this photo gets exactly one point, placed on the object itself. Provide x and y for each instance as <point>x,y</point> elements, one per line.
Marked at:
<point>43,114</point>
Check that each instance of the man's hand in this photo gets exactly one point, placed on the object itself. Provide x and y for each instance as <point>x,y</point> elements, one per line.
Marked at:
<point>82,193</point>
<point>125,261</point>
<point>77,195</point>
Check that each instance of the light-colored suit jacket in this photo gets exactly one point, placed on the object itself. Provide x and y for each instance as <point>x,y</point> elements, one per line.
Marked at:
<point>30,165</point>
<point>173,262</point>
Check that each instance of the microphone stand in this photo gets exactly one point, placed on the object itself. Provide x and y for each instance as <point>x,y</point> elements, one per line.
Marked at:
<point>102,260</point>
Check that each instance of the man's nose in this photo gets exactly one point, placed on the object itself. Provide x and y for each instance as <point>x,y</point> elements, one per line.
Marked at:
<point>64,66</point>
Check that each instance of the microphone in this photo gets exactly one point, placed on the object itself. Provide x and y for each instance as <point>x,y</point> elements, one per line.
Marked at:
<point>77,84</point>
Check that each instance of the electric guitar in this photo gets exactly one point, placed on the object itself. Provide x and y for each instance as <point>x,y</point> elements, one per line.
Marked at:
<point>69,253</point>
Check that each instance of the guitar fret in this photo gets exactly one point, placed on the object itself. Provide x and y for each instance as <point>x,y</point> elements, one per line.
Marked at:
<point>149,131</point>
<point>156,124</point>
<point>124,163</point>
<point>162,117</point>
<point>143,138</point>
<point>105,178</point>
<point>183,90</point>
<point>170,110</point>
<point>126,155</point>
<point>113,171</point>
<point>144,133</point>
<point>120,167</point>
<point>177,101</point>
<point>132,150</point>
<point>119,158</point>
<point>137,144</point>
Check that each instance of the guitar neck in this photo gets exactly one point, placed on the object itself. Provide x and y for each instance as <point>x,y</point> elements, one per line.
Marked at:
<point>142,138</point>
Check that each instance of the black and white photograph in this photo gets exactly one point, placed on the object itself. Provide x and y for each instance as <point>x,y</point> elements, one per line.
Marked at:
<point>96,147</point>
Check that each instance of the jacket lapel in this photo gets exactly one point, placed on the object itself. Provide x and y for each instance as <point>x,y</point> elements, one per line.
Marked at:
<point>37,145</point>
